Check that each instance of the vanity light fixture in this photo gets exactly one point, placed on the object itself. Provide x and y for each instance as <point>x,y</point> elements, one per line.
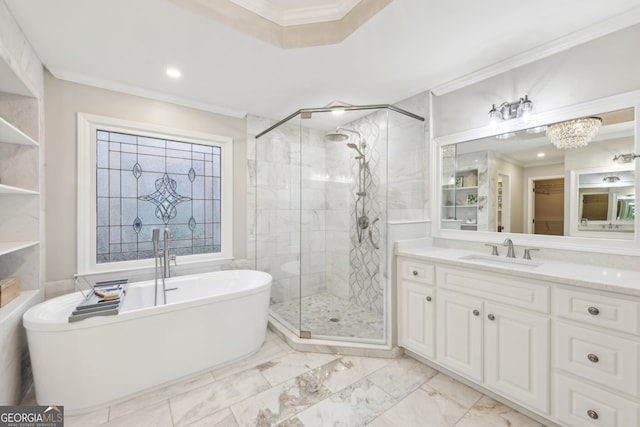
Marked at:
<point>522,108</point>
<point>573,133</point>
<point>625,158</point>
<point>611,179</point>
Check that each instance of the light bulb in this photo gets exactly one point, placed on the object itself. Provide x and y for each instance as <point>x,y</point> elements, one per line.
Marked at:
<point>525,109</point>
<point>495,117</point>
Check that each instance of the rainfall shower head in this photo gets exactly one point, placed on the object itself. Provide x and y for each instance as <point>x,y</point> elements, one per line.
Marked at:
<point>336,136</point>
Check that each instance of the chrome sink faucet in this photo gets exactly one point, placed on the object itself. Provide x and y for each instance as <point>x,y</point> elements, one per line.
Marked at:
<point>510,252</point>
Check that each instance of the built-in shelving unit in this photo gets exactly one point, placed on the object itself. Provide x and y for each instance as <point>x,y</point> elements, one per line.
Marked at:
<point>460,201</point>
<point>21,214</point>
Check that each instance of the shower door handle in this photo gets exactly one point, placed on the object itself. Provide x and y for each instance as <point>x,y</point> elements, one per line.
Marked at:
<point>371,233</point>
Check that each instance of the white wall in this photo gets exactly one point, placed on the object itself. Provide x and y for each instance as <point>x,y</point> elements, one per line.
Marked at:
<point>62,101</point>
<point>603,67</point>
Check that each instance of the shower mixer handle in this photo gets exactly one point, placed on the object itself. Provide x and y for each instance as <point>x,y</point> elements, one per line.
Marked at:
<point>374,244</point>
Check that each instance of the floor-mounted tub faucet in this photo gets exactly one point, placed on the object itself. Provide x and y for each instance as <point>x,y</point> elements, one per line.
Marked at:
<point>510,252</point>
<point>159,269</point>
<point>165,255</point>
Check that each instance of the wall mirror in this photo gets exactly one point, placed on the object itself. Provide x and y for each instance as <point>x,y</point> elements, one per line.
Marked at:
<point>520,182</point>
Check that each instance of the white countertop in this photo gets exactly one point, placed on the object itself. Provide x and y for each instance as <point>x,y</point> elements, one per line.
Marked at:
<point>587,276</point>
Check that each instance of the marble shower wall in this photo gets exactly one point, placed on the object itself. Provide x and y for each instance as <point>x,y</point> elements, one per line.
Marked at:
<point>408,151</point>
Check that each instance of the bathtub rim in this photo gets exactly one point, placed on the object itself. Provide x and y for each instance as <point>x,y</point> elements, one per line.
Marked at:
<point>33,319</point>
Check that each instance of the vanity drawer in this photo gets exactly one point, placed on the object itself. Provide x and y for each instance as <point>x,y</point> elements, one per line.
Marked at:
<point>510,290</point>
<point>598,357</point>
<point>620,314</point>
<point>417,271</point>
<point>581,405</point>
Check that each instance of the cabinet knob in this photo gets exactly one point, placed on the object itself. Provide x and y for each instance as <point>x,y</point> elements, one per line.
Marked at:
<point>592,414</point>
<point>429,299</point>
<point>593,311</point>
<point>415,272</point>
<point>593,358</point>
<point>476,313</point>
<point>491,317</point>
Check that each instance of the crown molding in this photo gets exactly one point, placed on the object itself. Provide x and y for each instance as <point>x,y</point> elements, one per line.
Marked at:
<point>144,93</point>
<point>601,29</point>
<point>231,14</point>
<point>283,16</point>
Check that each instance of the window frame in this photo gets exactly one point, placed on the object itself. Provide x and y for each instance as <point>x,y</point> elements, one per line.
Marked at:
<point>87,127</point>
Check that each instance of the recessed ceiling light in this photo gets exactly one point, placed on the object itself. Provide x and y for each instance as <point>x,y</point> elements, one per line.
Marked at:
<point>174,73</point>
<point>540,154</point>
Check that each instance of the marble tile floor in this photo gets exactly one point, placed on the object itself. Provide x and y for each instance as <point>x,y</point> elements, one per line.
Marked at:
<point>326,315</point>
<point>278,386</point>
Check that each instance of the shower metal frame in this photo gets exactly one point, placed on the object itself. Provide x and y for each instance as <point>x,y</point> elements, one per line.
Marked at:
<point>301,112</point>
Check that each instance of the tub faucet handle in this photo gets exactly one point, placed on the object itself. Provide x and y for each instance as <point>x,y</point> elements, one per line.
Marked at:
<point>494,250</point>
<point>155,237</point>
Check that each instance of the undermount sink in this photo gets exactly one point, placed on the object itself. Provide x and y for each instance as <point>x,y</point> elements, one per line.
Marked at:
<point>492,259</point>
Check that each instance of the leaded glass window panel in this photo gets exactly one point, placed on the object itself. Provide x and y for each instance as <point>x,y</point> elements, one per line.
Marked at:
<point>144,183</point>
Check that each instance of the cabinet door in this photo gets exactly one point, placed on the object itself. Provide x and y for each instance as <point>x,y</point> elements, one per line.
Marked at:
<point>517,355</point>
<point>417,314</point>
<point>459,338</point>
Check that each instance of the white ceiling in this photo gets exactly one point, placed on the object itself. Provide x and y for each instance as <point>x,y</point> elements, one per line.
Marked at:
<point>408,47</point>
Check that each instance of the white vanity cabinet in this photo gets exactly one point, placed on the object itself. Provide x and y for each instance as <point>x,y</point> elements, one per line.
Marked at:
<point>416,306</point>
<point>597,344</point>
<point>484,333</point>
<point>568,353</point>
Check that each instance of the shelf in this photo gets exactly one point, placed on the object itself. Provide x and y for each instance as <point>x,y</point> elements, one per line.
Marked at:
<point>8,247</point>
<point>20,305</point>
<point>12,135</point>
<point>7,189</point>
<point>451,187</point>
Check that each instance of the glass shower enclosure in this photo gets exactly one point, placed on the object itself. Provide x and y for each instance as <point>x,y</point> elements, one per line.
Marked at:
<point>329,181</point>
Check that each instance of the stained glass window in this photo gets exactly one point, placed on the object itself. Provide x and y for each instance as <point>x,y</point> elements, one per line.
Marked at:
<point>144,183</point>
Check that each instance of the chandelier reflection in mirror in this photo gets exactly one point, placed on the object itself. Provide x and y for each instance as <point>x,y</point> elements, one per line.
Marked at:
<point>574,133</point>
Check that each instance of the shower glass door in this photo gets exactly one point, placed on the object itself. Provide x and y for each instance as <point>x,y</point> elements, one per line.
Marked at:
<point>277,219</point>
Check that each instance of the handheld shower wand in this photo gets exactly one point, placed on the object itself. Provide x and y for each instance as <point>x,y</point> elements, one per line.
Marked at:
<point>154,238</point>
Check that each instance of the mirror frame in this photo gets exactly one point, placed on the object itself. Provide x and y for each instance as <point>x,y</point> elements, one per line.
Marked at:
<point>575,243</point>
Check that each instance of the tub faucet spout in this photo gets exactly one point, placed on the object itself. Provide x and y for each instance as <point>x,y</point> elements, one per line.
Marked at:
<point>510,252</point>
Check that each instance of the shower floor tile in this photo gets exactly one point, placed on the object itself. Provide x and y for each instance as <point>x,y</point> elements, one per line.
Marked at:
<point>327,315</point>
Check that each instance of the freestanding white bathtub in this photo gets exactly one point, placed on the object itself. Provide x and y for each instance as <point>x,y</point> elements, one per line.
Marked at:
<point>209,320</point>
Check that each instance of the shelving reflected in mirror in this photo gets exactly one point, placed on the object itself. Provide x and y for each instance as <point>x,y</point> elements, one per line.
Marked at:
<point>521,183</point>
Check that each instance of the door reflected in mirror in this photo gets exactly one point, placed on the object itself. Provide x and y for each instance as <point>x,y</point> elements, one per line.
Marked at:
<point>522,183</point>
